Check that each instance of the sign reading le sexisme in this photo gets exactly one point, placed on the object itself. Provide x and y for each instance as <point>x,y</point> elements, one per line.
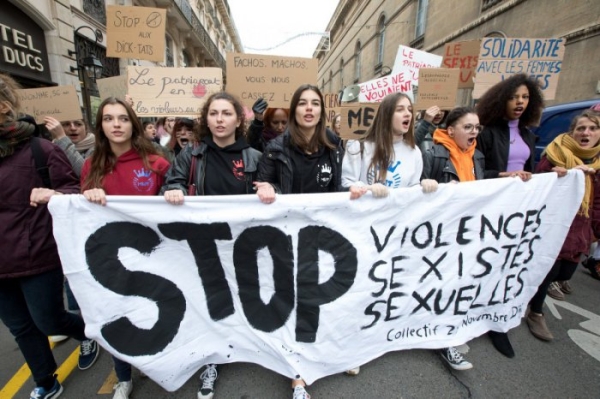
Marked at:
<point>356,119</point>
<point>60,102</point>
<point>463,55</point>
<point>500,58</point>
<point>158,91</point>
<point>135,32</point>
<point>274,78</point>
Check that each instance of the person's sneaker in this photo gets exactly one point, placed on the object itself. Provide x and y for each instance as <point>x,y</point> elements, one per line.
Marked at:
<point>353,371</point>
<point>41,393</point>
<point>88,353</point>
<point>455,359</point>
<point>565,287</point>
<point>537,325</point>
<point>555,292</point>
<point>58,338</point>
<point>593,266</point>
<point>123,389</point>
<point>300,393</point>
<point>208,378</point>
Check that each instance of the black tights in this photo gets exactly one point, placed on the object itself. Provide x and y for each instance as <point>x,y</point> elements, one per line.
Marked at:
<point>561,270</point>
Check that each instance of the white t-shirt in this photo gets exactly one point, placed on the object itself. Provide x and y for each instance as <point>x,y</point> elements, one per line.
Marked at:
<point>404,170</point>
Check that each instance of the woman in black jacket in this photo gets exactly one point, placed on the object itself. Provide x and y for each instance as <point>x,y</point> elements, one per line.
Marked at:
<point>506,110</point>
<point>307,157</point>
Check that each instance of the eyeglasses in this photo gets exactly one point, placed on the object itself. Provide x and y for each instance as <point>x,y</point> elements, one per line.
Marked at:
<point>468,128</point>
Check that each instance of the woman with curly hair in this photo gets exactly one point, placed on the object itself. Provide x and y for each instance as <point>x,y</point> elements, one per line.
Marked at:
<point>506,111</point>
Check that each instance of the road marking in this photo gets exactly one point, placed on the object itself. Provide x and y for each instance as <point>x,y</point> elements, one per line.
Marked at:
<point>14,385</point>
<point>590,343</point>
<point>109,383</point>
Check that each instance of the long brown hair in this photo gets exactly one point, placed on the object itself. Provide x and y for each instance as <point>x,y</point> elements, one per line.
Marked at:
<point>103,159</point>
<point>204,131</point>
<point>381,134</point>
<point>319,139</point>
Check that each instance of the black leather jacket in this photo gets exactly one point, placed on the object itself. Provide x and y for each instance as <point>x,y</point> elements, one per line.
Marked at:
<point>494,143</point>
<point>275,166</point>
<point>178,176</point>
<point>438,166</point>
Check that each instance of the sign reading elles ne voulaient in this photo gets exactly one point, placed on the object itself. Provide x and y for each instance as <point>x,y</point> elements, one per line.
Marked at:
<point>158,91</point>
<point>135,32</point>
<point>274,78</point>
<point>500,58</point>
<point>59,102</point>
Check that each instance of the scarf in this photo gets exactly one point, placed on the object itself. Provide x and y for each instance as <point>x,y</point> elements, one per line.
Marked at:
<point>565,152</point>
<point>88,142</point>
<point>269,134</point>
<point>462,160</point>
<point>13,132</point>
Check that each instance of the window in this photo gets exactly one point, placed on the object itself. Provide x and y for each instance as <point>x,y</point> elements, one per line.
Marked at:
<point>421,18</point>
<point>357,65</point>
<point>169,51</point>
<point>381,39</point>
<point>342,73</point>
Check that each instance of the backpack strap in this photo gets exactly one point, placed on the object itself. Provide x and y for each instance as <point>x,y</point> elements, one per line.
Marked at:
<point>41,161</point>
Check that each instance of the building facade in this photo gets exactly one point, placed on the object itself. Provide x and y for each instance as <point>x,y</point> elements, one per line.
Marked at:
<point>365,35</point>
<point>44,41</point>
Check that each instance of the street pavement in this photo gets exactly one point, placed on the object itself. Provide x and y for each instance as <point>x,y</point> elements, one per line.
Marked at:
<point>568,367</point>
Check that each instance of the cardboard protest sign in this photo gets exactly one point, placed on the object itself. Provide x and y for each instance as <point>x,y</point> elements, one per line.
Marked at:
<point>304,290</point>
<point>410,60</point>
<point>115,86</point>
<point>158,91</point>
<point>59,102</point>
<point>375,90</point>
<point>332,106</point>
<point>438,86</point>
<point>136,32</point>
<point>274,78</point>
<point>500,58</point>
<point>356,119</point>
<point>463,55</point>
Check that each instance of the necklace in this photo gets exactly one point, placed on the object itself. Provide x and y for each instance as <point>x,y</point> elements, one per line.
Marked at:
<point>513,140</point>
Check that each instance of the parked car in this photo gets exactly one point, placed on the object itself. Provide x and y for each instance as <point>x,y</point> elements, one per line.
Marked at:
<point>556,119</point>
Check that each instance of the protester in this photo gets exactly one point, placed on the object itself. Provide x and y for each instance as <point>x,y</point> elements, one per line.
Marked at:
<point>31,278</point>
<point>183,131</point>
<point>506,110</point>
<point>164,129</point>
<point>149,130</point>
<point>221,164</point>
<point>306,158</point>
<point>337,125</point>
<point>268,123</point>
<point>387,156</point>
<point>577,149</point>
<point>74,138</point>
<point>124,162</point>
<point>454,158</point>
<point>431,119</point>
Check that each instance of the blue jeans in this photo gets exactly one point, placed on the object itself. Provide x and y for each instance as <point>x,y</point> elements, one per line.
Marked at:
<point>122,370</point>
<point>32,308</point>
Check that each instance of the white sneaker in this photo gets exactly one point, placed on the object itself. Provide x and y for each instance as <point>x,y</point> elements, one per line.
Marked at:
<point>208,378</point>
<point>353,371</point>
<point>58,338</point>
<point>300,393</point>
<point>455,359</point>
<point>123,390</point>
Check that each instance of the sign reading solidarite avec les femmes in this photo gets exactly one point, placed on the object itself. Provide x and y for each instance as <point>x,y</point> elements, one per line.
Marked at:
<point>312,284</point>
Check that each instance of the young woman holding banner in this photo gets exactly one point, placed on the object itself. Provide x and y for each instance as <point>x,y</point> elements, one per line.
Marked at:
<point>221,164</point>
<point>124,162</point>
<point>305,159</point>
<point>506,110</point>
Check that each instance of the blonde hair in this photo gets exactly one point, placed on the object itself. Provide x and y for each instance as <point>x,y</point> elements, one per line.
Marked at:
<point>8,93</point>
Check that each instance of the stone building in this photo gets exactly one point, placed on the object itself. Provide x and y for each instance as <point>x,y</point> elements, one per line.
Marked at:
<point>365,34</point>
<point>43,41</point>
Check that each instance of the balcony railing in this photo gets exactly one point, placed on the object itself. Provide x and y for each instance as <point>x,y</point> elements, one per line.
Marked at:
<point>200,32</point>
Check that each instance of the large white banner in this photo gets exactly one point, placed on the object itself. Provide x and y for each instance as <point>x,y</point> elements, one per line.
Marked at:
<point>311,285</point>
